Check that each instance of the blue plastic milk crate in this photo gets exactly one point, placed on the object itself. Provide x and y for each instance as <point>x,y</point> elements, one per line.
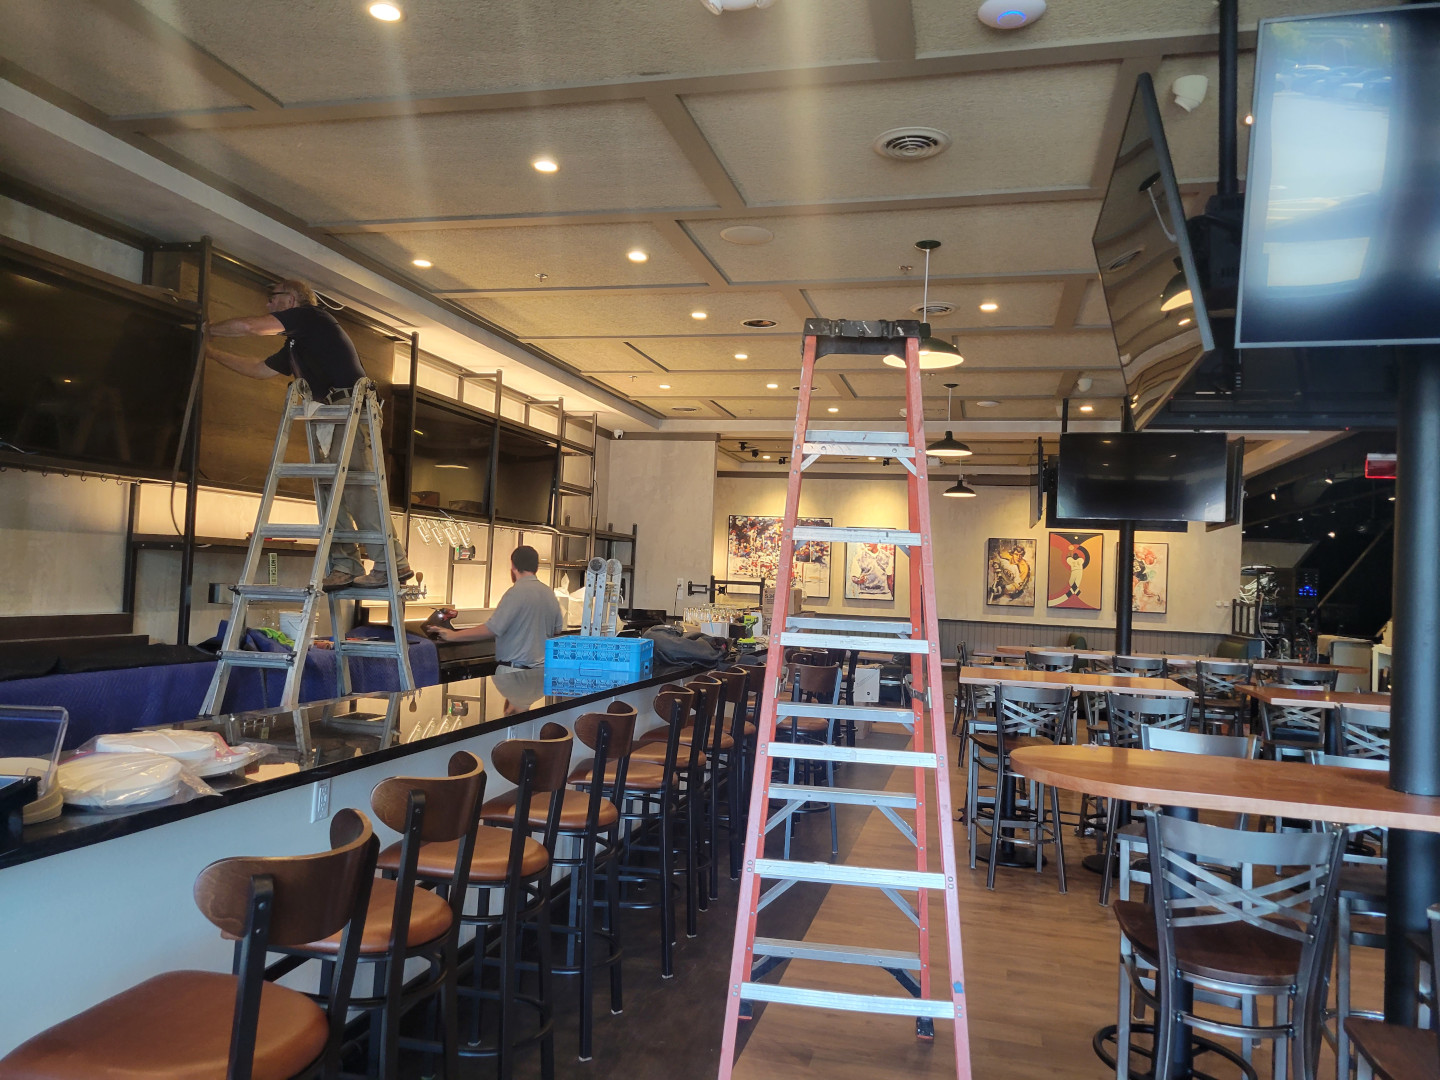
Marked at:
<point>632,656</point>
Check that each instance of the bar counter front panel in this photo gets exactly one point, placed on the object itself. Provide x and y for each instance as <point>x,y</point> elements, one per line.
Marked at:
<point>93,903</point>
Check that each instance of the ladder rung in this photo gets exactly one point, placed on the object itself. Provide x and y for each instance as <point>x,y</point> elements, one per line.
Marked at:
<point>847,796</point>
<point>836,954</point>
<point>824,873</point>
<point>854,449</point>
<point>883,1004</point>
<point>366,648</point>
<point>878,713</point>
<point>844,641</point>
<point>875,438</point>
<point>312,532</point>
<point>852,626</point>
<point>857,535</point>
<point>328,414</point>
<point>246,658</point>
<point>274,593</point>
<point>320,471</point>
<point>853,755</point>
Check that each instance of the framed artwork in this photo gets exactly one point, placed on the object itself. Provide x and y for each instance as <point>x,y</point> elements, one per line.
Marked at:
<point>1010,572</point>
<point>869,571</point>
<point>1076,570</point>
<point>1150,585</point>
<point>752,553</point>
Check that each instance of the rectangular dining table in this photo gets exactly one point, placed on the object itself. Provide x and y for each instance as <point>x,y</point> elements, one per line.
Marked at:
<point>1093,681</point>
<point>1187,659</point>
<point>1329,700</point>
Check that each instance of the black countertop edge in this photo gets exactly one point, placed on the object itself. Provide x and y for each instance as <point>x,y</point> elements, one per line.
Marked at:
<point>110,827</point>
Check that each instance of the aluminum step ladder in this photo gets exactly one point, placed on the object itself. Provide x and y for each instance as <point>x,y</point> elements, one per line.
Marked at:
<point>360,419</point>
<point>756,956</point>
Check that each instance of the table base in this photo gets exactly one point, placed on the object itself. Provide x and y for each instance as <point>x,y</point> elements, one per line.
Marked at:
<point>1018,858</point>
<point>1104,1046</point>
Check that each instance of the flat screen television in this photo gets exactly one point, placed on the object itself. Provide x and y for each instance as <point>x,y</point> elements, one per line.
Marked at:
<point>1124,476</point>
<point>1054,521</point>
<point>1147,264</point>
<point>1341,242</point>
<point>450,469</point>
<point>96,374</point>
<point>525,478</point>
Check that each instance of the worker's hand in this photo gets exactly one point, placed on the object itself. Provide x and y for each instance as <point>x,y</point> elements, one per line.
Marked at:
<point>438,633</point>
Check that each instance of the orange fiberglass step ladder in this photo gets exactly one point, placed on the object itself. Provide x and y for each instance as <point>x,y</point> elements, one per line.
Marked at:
<point>919,637</point>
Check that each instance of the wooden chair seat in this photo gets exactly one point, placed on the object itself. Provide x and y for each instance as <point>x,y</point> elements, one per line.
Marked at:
<point>806,725</point>
<point>641,775</point>
<point>1363,881</point>
<point>1232,952</point>
<point>574,812</point>
<point>430,918</point>
<point>175,1026</point>
<point>661,735</point>
<point>1395,1052</point>
<point>487,867</point>
<point>653,753</point>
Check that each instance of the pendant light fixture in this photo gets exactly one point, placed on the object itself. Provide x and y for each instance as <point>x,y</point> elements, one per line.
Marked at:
<point>961,490</point>
<point>934,353</point>
<point>949,446</point>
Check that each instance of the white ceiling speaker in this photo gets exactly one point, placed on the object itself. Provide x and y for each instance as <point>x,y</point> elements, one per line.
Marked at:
<point>719,7</point>
<point>747,235</point>
<point>1189,91</point>
<point>1010,14</point>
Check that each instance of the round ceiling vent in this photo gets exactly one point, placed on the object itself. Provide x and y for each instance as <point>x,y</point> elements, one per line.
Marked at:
<point>747,235</point>
<point>1122,261</point>
<point>911,143</point>
<point>759,324</point>
<point>938,307</point>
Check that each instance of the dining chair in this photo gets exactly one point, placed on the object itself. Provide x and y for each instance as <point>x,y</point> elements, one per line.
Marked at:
<point>1364,733</point>
<point>1391,1051</point>
<point>1221,707</point>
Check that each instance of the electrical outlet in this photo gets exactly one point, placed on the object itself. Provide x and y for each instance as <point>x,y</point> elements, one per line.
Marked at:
<point>320,801</point>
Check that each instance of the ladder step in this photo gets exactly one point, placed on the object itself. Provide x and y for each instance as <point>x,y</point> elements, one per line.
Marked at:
<point>880,1004</point>
<point>860,535</point>
<point>851,755</point>
<point>846,796</point>
<point>855,449</point>
<point>882,714</point>
<point>246,658</point>
<point>844,641</point>
<point>830,623</point>
<point>312,532</point>
<point>367,648</point>
<point>326,414</point>
<point>274,593</point>
<point>320,471</point>
<point>836,954</point>
<point>873,438</point>
<point>824,873</point>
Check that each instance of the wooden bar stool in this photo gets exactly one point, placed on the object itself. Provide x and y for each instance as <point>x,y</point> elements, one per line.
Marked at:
<point>406,922</point>
<point>203,1023</point>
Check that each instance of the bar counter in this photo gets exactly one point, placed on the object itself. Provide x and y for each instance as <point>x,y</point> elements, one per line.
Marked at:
<point>94,902</point>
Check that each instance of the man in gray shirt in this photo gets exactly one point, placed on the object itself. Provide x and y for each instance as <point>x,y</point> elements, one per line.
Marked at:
<point>528,614</point>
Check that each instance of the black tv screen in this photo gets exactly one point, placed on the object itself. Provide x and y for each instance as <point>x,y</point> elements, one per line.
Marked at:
<point>451,464</point>
<point>92,376</point>
<point>525,477</point>
<point>1126,476</point>
<point>1341,242</point>
<point>1147,267</point>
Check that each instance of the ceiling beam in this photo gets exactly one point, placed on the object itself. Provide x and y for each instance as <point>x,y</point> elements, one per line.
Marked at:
<point>679,238</point>
<point>1067,314</point>
<point>1044,277</point>
<point>682,127</point>
<point>893,24</point>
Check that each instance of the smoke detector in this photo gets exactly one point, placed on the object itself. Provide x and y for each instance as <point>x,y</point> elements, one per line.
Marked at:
<point>911,143</point>
<point>1010,14</point>
<point>719,7</point>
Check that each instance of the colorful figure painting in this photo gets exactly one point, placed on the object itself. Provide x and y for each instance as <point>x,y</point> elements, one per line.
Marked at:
<point>869,571</point>
<point>1151,578</point>
<point>752,553</point>
<point>1076,571</point>
<point>1010,572</point>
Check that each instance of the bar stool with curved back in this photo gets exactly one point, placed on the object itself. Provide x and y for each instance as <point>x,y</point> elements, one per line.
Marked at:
<point>1289,731</point>
<point>970,699</point>
<point>1364,733</point>
<point>1221,709</point>
<point>1039,660</point>
<point>1151,666</point>
<point>1317,677</point>
<point>423,810</point>
<point>1228,936</point>
<point>648,798</point>
<point>809,682</point>
<point>1393,1052</point>
<point>732,753</point>
<point>589,821</point>
<point>1126,717</point>
<point>1023,714</point>
<point>204,1023</point>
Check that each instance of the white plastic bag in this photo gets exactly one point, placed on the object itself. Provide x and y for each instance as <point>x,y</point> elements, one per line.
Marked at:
<point>121,781</point>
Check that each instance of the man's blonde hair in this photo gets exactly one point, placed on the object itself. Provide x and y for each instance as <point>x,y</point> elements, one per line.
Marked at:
<point>300,290</point>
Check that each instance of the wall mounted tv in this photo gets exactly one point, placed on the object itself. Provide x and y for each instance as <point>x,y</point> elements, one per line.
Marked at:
<point>1147,265</point>
<point>1341,242</point>
<point>1125,476</point>
<point>525,478</point>
<point>96,371</point>
<point>450,470</point>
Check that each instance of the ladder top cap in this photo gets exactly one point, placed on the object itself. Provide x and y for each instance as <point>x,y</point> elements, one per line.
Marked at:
<point>861,330</point>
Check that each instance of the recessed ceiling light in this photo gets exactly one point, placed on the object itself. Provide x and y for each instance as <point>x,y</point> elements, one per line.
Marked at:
<point>772,386</point>
<point>766,457</point>
<point>699,315</point>
<point>832,408</point>
<point>1185,322</point>
<point>423,264</point>
<point>664,386</point>
<point>742,356</point>
<point>64,380</point>
<point>989,305</point>
<point>1087,408</point>
<point>1331,535</point>
<point>987,404</point>
<point>759,324</point>
<point>1249,119</point>
<point>746,235</point>
<point>385,12</point>
<point>872,459</point>
<point>636,255</point>
<point>545,164</point>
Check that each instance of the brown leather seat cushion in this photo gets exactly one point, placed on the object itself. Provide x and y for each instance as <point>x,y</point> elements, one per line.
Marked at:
<point>807,725</point>
<point>1234,951</point>
<point>487,867</point>
<point>574,811</point>
<point>660,735</point>
<point>175,1026</point>
<point>1397,1053</point>
<point>429,919</point>
<point>653,753</point>
<point>640,776</point>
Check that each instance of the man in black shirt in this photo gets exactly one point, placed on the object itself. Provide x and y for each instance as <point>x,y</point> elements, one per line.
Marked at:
<point>320,352</point>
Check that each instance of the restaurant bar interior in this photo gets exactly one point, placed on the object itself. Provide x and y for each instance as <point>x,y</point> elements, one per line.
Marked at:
<point>719,538</point>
